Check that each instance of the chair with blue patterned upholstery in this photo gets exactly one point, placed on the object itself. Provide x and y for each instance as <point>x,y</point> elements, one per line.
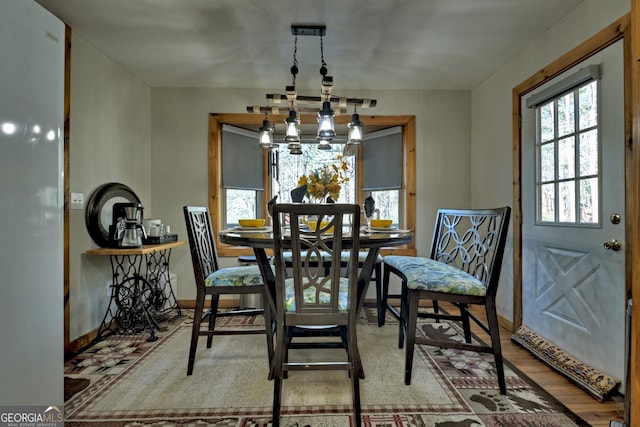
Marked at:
<point>315,296</point>
<point>462,269</point>
<point>376,277</point>
<point>212,280</point>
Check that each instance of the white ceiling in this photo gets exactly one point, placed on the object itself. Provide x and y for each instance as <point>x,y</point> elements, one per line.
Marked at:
<point>370,44</point>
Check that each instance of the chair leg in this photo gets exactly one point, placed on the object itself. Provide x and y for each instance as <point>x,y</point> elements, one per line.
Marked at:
<point>268,325</point>
<point>381,292</point>
<point>404,310</point>
<point>278,372</point>
<point>494,328</point>
<point>382,295</point>
<point>466,327</point>
<point>277,394</point>
<point>436,310</point>
<point>412,298</point>
<point>355,391</point>
<point>195,332</point>
<point>212,317</point>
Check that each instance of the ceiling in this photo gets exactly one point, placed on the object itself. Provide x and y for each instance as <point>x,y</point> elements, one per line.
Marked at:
<point>370,44</point>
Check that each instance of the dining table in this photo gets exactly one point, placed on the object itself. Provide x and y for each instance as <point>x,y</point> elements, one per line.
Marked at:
<point>260,240</point>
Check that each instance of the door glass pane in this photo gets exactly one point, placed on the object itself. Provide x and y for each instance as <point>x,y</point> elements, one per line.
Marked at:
<point>547,122</point>
<point>567,202</point>
<point>588,103</point>
<point>589,201</point>
<point>566,158</point>
<point>566,121</point>
<point>547,203</point>
<point>547,162</point>
<point>589,153</point>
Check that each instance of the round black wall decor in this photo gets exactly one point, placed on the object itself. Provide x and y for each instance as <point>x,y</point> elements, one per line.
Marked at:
<point>99,212</point>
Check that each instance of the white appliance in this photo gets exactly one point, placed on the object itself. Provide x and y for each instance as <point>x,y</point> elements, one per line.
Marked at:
<point>31,204</point>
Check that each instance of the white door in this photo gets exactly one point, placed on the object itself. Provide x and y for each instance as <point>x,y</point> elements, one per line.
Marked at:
<point>573,288</point>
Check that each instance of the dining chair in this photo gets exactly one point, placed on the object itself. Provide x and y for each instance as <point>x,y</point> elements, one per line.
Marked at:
<point>313,297</point>
<point>214,281</point>
<point>463,269</point>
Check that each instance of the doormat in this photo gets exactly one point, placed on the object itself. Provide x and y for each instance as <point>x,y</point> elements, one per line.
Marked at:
<point>594,382</point>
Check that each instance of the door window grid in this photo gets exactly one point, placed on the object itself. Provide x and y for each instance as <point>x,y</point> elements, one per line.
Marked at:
<point>568,158</point>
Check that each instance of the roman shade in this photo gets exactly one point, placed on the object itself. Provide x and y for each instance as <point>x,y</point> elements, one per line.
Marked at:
<point>241,159</point>
<point>383,160</point>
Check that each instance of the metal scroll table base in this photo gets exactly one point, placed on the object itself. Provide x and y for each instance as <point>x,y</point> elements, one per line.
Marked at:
<point>139,301</point>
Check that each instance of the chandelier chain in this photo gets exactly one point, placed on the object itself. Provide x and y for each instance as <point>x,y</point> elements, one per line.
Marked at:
<point>323,67</point>
<point>294,66</point>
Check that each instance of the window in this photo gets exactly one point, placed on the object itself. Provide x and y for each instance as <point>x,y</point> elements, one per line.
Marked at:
<point>242,176</point>
<point>382,159</point>
<point>229,199</point>
<point>286,170</point>
<point>568,153</point>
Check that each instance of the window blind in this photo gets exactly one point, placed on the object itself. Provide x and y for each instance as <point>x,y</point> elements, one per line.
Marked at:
<point>591,72</point>
<point>382,160</point>
<point>241,159</point>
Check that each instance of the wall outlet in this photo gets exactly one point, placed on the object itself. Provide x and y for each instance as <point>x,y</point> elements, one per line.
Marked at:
<point>77,200</point>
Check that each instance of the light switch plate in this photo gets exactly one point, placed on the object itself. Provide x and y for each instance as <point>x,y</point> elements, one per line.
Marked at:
<point>77,200</point>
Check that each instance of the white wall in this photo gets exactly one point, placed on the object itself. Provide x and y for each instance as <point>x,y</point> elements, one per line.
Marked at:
<point>179,154</point>
<point>31,205</point>
<point>109,141</point>
<point>491,112</point>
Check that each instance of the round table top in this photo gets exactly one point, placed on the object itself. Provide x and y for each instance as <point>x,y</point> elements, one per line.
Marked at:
<point>263,237</point>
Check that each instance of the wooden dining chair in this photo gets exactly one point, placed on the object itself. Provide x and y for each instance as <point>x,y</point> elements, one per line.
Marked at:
<point>313,297</point>
<point>462,269</point>
<point>215,281</point>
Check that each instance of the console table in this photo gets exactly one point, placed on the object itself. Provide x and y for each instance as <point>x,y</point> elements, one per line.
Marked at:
<point>140,298</point>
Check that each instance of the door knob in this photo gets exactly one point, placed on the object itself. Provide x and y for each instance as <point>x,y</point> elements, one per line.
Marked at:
<point>614,245</point>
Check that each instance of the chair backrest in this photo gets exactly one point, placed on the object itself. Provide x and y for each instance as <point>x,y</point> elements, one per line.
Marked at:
<point>201,242</point>
<point>316,288</point>
<point>472,240</point>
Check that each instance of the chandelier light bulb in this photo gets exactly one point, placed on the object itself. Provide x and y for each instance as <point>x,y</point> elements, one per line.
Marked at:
<point>326,128</point>
<point>293,127</point>
<point>355,130</point>
<point>266,135</point>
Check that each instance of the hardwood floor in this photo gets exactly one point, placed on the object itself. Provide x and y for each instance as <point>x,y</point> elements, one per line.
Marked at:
<point>582,404</point>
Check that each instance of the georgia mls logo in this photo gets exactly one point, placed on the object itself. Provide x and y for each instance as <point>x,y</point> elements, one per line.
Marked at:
<point>30,416</point>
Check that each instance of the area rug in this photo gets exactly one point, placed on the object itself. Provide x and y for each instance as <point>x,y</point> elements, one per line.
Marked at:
<point>127,381</point>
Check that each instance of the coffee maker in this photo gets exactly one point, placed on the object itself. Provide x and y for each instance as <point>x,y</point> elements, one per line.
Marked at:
<point>126,230</point>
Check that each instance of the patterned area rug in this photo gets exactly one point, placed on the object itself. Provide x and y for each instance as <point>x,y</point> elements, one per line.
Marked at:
<point>127,381</point>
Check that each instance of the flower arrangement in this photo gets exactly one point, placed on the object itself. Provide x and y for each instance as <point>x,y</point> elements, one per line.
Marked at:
<point>326,181</point>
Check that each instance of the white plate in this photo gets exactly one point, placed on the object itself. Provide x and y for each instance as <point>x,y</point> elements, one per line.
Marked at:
<point>264,227</point>
<point>384,228</point>
<point>250,229</point>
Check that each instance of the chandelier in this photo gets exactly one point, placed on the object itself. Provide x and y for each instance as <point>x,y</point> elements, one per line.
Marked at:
<point>322,105</point>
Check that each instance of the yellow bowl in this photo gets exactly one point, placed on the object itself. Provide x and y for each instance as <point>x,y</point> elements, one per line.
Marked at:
<point>252,222</point>
<point>381,223</point>
<point>312,225</point>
